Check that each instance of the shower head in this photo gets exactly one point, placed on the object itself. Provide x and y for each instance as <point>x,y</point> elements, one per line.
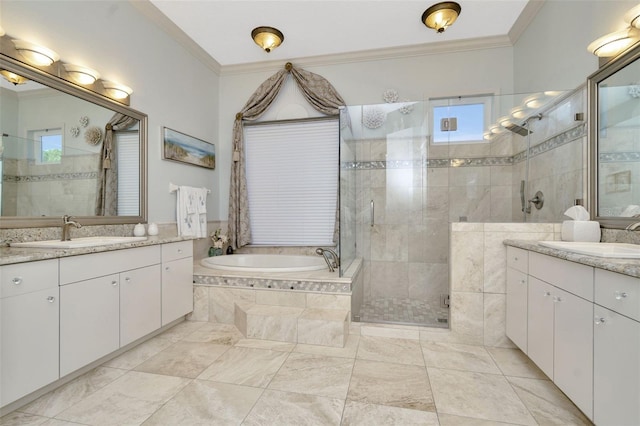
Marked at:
<point>522,131</point>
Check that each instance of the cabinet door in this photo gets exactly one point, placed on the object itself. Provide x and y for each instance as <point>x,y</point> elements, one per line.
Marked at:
<point>616,390</point>
<point>517,308</point>
<point>139,303</point>
<point>29,344</point>
<point>177,289</point>
<point>573,353</point>
<point>89,322</point>
<point>540,324</point>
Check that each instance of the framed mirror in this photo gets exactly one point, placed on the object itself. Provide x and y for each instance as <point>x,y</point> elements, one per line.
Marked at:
<point>52,152</point>
<point>614,131</point>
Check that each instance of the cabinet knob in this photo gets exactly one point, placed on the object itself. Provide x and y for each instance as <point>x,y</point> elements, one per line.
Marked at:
<point>179,251</point>
<point>547,294</point>
<point>621,295</point>
<point>557,299</point>
<point>167,268</point>
<point>599,320</point>
<point>128,279</point>
<point>114,283</point>
<point>17,280</point>
<point>515,258</point>
<point>523,282</point>
<point>51,299</point>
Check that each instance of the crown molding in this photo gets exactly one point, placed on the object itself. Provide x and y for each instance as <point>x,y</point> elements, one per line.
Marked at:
<point>375,55</point>
<point>526,17</point>
<point>151,12</point>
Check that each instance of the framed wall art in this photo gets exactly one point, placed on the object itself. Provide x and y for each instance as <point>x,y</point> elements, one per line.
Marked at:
<point>183,148</point>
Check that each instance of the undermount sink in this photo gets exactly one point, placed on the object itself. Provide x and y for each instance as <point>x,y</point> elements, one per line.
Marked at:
<point>78,242</point>
<point>615,250</point>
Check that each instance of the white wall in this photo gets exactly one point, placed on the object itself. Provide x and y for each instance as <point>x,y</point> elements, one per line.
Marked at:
<point>552,53</point>
<point>170,85</point>
<point>363,82</point>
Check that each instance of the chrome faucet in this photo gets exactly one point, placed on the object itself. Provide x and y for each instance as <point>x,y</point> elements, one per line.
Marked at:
<point>332,263</point>
<point>66,224</point>
<point>633,226</point>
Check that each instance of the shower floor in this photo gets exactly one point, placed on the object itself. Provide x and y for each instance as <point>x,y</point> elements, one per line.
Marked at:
<point>405,311</point>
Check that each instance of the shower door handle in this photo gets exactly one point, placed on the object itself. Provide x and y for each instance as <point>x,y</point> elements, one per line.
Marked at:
<point>372,208</point>
<point>522,197</point>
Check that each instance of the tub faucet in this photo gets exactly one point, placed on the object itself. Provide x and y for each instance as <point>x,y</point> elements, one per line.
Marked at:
<point>332,263</point>
<point>66,224</point>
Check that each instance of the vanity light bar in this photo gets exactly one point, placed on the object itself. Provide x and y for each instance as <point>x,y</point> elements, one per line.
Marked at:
<point>81,75</point>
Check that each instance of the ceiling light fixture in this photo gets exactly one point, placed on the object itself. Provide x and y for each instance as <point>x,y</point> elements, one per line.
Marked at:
<point>440,16</point>
<point>13,78</point>
<point>633,17</point>
<point>267,38</point>
<point>519,112</point>
<point>116,90</point>
<point>81,75</point>
<point>36,55</point>
<point>614,43</point>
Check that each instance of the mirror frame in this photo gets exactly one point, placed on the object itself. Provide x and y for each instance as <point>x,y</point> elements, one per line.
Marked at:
<point>39,76</point>
<point>616,64</point>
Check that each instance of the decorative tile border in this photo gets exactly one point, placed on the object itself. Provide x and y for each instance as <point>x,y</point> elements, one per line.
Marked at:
<point>619,157</point>
<point>278,284</point>
<point>50,177</point>
<point>550,144</point>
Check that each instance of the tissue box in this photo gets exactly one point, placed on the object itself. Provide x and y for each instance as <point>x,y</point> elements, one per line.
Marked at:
<point>581,230</point>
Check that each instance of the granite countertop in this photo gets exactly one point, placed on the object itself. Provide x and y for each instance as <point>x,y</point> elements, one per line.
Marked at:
<point>11,255</point>
<point>629,267</point>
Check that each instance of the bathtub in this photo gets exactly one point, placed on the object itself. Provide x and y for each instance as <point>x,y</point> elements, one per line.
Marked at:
<point>265,263</point>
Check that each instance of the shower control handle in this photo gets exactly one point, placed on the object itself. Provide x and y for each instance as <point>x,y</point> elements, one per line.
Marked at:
<point>372,207</point>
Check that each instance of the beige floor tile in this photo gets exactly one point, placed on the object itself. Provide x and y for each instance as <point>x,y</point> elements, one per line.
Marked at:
<point>22,419</point>
<point>315,375</point>
<point>245,366</point>
<point>357,413</point>
<point>284,408</point>
<point>547,403</point>
<point>60,399</point>
<point>450,420</point>
<point>512,362</point>
<point>139,354</point>
<point>458,357</point>
<point>182,330</point>
<point>221,334</point>
<point>207,403</point>
<point>477,395</point>
<point>56,422</point>
<point>271,345</point>
<point>349,351</point>
<point>396,385</point>
<point>130,400</point>
<point>384,349</point>
<point>183,359</point>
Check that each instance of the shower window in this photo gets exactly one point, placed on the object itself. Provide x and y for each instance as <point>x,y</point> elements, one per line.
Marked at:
<point>292,181</point>
<point>47,145</point>
<point>460,119</point>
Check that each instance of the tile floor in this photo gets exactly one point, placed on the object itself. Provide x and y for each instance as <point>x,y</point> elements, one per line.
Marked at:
<point>200,373</point>
<point>405,311</point>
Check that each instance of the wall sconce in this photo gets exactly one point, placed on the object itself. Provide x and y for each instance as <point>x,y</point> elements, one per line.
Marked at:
<point>13,78</point>
<point>267,37</point>
<point>36,55</point>
<point>81,75</point>
<point>116,90</point>
<point>440,16</point>
<point>614,43</point>
<point>505,121</point>
<point>519,112</point>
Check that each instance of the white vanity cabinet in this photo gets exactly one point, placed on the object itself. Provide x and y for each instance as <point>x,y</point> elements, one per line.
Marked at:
<point>517,266</point>
<point>29,309</point>
<point>108,300</point>
<point>616,349</point>
<point>177,280</point>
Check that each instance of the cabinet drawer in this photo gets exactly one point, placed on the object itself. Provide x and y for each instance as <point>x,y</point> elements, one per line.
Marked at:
<point>570,276</point>
<point>84,267</point>
<point>23,278</point>
<point>179,250</point>
<point>618,292</point>
<point>517,259</point>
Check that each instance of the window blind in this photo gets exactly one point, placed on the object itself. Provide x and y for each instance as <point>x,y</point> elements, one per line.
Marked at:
<point>292,182</point>
<point>128,153</point>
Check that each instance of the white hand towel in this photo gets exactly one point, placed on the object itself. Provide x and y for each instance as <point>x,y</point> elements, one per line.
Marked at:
<point>186,212</point>
<point>202,212</point>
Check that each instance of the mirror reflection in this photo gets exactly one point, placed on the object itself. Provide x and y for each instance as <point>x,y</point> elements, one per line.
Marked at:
<point>61,154</point>
<point>618,144</point>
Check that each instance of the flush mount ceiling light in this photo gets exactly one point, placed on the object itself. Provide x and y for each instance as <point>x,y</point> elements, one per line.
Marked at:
<point>614,43</point>
<point>440,16</point>
<point>116,90</point>
<point>81,75</point>
<point>633,17</point>
<point>13,78</point>
<point>36,55</point>
<point>267,38</point>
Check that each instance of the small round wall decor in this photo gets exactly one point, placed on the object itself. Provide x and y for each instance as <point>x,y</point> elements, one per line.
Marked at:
<point>93,135</point>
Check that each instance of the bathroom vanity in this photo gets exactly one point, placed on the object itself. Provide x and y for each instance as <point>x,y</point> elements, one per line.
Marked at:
<point>578,318</point>
<point>64,310</point>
